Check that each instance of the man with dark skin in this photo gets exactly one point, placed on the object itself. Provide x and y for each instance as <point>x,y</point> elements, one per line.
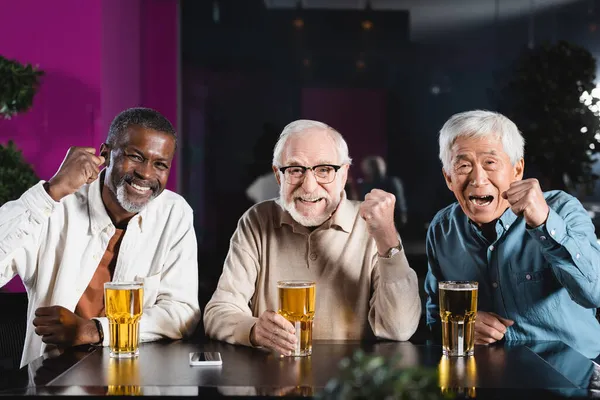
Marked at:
<point>112,224</point>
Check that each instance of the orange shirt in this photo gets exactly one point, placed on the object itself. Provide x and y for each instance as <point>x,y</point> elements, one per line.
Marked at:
<point>91,303</point>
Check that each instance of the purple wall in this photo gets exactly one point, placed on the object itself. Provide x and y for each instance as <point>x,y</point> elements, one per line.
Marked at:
<point>365,131</point>
<point>100,57</point>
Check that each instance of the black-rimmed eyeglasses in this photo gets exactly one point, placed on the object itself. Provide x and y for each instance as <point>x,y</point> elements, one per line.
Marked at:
<point>324,173</point>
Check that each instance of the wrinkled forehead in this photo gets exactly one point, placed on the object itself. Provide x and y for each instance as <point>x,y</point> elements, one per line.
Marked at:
<point>310,147</point>
<point>475,145</point>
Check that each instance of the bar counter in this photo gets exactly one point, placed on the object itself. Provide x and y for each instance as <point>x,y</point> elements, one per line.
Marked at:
<point>516,370</point>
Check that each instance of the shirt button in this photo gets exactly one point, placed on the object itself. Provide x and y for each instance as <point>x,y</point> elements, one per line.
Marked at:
<point>552,232</point>
<point>577,256</point>
<point>495,284</point>
<point>528,277</point>
<point>96,257</point>
<point>507,226</point>
<point>542,237</point>
<point>313,256</point>
<point>491,248</point>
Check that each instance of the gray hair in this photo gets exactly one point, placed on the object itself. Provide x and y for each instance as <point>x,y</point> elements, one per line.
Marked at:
<point>480,124</point>
<point>138,116</point>
<point>301,125</point>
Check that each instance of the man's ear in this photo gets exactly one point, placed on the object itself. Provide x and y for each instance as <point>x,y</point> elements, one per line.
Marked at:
<point>277,176</point>
<point>519,169</point>
<point>105,152</point>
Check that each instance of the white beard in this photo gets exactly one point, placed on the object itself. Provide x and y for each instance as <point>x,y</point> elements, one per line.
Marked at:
<point>309,220</point>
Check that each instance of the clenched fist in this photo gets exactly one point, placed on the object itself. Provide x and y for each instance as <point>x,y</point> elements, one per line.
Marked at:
<point>527,199</point>
<point>80,166</point>
<point>61,327</point>
<point>378,212</point>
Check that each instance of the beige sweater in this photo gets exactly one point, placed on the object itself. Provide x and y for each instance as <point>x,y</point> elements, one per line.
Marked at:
<point>358,294</point>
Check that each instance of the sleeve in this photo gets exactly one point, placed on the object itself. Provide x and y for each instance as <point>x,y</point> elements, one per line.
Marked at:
<point>228,316</point>
<point>395,305</point>
<point>568,242</point>
<point>432,278</point>
<point>22,222</point>
<point>176,312</point>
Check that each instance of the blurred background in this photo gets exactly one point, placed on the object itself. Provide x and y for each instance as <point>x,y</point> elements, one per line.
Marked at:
<point>230,74</point>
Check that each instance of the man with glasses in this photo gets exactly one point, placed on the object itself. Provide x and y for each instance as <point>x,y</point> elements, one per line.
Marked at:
<point>365,287</point>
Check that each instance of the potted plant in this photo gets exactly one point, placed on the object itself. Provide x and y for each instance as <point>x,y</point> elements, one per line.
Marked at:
<point>374,377</point>
<point>18,85</point>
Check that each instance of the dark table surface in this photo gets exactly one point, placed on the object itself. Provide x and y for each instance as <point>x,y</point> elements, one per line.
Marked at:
<point>515,370</point>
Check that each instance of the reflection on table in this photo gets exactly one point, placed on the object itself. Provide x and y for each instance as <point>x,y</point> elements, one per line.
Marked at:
<point>551,369</point>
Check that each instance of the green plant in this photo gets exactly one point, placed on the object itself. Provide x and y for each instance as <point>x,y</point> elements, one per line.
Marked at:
<point>16,175</point>
<point>548,96</point>
<point>374,377</point>
<point>18,85</point>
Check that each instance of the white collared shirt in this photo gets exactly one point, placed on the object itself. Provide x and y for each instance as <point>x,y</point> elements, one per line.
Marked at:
<point>55,248</point>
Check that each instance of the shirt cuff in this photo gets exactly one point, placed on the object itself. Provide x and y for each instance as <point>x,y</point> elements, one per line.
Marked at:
<point>395,268</point>
<point>38,201</point>
<point>242,330</point>
<point>550,233</point>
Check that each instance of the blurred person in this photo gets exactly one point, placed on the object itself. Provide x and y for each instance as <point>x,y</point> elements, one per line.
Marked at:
<point>374,170</point>
<point>364,285</point>
<point>263,188</point>
<point>264,185</point>
<point>67,236</point>
<point>534,253</point>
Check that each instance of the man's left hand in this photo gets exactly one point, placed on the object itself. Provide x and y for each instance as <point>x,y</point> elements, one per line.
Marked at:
<point>527,199</point>
<point>63,328</point>
<point>378,211</point>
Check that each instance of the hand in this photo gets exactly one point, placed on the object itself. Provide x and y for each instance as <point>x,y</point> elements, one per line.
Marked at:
<point>490,327</point>
<point>274,332</point>
<point>378,211</point>
<point>79,167</point>
<point>61,327</point>
<point>526,199</point>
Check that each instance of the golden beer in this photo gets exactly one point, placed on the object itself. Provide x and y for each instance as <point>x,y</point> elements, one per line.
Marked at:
<point>124,377</point>
<point>123,303</point>
<point>297,305</point>
<point>458,377</point>
<point>458,310</point>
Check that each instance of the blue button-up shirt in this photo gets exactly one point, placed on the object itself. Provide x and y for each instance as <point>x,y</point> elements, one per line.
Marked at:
<point>545,279</point>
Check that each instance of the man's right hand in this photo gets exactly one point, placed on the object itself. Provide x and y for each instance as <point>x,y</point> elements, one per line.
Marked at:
<point>274,332</point>
<point>490,327</point>
<point>80,166</point>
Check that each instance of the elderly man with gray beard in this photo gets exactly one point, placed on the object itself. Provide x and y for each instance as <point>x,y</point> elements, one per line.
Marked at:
<point>67,236</point>
<point>350,249</point>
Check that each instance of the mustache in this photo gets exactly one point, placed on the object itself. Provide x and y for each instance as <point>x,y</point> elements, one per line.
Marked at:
<point>300,194</point>
<point>130,179</point>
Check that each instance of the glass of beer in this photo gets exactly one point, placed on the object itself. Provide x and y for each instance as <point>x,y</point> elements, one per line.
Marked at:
<point>458,310</point>
<point>123,303</point>
<point>297,305</point>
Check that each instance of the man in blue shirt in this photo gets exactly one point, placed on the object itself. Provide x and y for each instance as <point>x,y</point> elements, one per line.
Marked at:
<point>534,254</point>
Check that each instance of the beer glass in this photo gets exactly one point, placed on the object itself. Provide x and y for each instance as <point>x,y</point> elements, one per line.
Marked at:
<point>297,305</point>
<point>458,310</point>
<point>123,303</point>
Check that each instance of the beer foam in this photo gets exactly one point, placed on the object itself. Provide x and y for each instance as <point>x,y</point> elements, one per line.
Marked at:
<point>458,285</point>
<point>124,285</point>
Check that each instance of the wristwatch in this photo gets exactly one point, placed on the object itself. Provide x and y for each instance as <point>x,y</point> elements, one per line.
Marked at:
<point>100,333</point>
<point>393,251</point>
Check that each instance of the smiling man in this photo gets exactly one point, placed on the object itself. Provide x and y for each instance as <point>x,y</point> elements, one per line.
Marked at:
<point>534,254</point>
<point>364,285</point>
<point>85,226</point>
